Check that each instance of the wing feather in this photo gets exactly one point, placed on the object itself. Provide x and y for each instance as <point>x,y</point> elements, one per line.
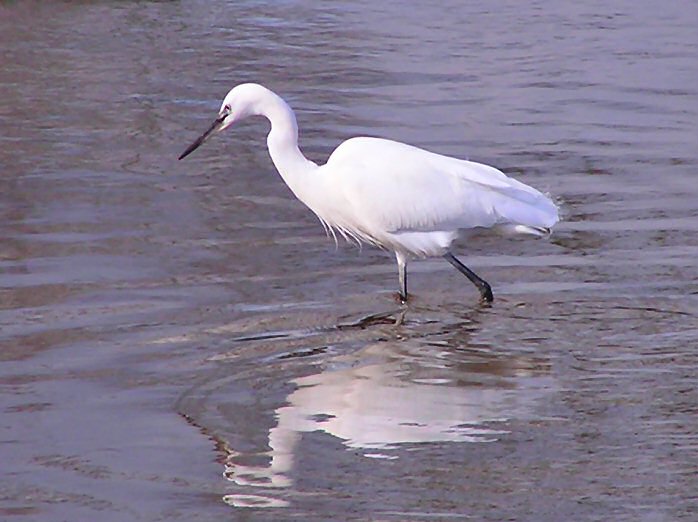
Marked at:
<point>388,186</point>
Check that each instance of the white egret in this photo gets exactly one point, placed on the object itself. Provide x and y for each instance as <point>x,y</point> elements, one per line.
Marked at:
<point>390,194</point>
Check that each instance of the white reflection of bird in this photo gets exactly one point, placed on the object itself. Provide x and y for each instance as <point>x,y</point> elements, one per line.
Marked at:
<point>390,194</point>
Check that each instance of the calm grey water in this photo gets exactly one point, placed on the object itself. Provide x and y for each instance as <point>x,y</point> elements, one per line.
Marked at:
<point>180,341</point>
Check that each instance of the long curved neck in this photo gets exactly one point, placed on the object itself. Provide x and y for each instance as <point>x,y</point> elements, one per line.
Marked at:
<point>282,141</point>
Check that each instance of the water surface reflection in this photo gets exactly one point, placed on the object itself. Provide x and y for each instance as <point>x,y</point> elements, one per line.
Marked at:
<point>376,388</point>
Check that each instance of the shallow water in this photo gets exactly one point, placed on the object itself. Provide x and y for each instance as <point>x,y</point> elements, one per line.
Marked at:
<point>180,341</point>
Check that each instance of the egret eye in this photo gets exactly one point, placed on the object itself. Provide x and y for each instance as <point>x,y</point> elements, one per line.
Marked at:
<point>226,109</point>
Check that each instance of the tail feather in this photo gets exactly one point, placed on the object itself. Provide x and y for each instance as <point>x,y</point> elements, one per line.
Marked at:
<point>511,228</point>
<point>532,212</point>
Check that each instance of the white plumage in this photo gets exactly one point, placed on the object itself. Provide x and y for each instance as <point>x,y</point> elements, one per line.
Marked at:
<point>390,194</point>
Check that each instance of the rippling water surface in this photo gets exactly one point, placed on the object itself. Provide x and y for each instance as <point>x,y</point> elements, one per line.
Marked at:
<point>180,341</point>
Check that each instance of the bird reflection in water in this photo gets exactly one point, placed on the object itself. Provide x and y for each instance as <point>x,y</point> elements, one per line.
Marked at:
<point>400,392</point>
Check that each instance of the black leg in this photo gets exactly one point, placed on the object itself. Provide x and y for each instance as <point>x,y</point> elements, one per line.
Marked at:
<point>482,285</point>
<point>402,276</point>
<point>403,283</point>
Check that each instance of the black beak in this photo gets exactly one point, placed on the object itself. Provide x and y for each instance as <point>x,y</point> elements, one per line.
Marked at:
<point>216,125</point>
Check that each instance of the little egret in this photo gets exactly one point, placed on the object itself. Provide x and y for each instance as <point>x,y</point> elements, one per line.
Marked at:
<point>389,194</point>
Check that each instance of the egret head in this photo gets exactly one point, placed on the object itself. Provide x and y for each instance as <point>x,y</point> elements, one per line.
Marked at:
<point>242,101</point>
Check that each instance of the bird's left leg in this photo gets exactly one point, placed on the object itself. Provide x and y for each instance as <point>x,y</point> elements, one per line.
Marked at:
<point>481,284</point>
<point>402,275</point>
